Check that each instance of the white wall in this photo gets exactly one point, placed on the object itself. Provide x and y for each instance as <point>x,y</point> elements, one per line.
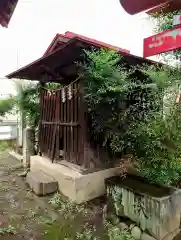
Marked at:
<point>8,131</point>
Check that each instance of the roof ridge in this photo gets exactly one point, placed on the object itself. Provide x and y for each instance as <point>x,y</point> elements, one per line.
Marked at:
<point>95,41</point>
<point>72,35</point>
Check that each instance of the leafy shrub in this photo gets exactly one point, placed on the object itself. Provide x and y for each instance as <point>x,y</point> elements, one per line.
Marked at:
<point>66,206</point>
<point>159,149</point>
<point>126,109</point>
<point>6,106</point>
<point>73,226</point>
<point>10,230</point>
<point>116,99</point>
<point>115,233</point>
<point>4,146</point>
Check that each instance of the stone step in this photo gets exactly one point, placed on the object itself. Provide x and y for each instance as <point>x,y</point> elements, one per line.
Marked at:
<point>41,183</point>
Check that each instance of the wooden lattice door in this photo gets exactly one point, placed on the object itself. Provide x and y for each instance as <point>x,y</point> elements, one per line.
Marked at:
<point>60,135</point>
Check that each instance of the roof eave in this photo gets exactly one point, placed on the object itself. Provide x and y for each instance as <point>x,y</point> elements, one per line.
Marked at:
<point>77,42</point>
<point>15,73</point>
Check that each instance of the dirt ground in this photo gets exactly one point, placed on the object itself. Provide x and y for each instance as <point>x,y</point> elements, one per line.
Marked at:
<point>21,211</point>
<point>27,214</point>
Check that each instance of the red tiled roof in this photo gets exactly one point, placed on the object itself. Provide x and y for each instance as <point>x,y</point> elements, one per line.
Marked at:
<point>58,40</point>
<point>96,42</point>
<point>7,8</point>
<point>63,38</point>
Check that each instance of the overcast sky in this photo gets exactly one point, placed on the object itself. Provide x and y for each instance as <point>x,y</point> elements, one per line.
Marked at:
<point>36,22</point>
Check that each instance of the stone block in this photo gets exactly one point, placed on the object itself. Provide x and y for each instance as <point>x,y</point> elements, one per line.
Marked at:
<point>136,233</point>
<point>41,183</point>
<point>123,226</point>
<point>28,146</point>
<point>145,236</point>
<point>155,208</point>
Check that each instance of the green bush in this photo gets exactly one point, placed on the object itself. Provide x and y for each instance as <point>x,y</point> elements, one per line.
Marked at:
<point>126,109</point>
<point>159,149</point>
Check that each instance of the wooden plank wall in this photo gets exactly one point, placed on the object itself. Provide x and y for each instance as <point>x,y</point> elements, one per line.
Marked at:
<point>60,124</point>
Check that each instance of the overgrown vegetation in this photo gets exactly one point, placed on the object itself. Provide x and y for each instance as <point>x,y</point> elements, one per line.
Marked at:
<point>10,230</point>
<point>126,111</point>
<point>6,106</point>
<point>66,206</point>
<point>164,20</point>
<point>116,233</point>
<point>4,145</point>
<point>77,224</point>
<point>25,101</point>
<point>73,225</point>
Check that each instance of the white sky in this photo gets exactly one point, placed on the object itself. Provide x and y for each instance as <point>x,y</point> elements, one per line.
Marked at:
<point>36,22</point>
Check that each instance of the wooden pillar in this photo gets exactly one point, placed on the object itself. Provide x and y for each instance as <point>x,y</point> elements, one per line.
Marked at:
<point>39,147</point>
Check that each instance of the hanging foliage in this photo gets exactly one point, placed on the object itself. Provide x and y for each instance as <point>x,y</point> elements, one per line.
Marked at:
<point>27,101</point>
<point>117,98</point>
<point>126,110</point>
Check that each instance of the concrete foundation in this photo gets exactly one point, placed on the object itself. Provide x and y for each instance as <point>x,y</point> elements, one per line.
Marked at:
<point>71,183</point>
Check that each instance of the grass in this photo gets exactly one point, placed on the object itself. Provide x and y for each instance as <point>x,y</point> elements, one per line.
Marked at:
<point>25,216</point>
<point>78,222</point>
<point>75,221</point>
<point>4,145</point>
<point>10,230</point>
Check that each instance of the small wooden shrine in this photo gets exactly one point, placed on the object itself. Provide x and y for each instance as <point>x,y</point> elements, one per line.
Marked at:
<point>64,129</point>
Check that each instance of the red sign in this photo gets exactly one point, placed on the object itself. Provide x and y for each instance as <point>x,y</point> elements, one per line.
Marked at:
<point>163,42</point>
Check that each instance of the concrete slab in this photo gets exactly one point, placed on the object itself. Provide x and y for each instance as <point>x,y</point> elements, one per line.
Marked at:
<point>71,183</point>
<point>41,183</point>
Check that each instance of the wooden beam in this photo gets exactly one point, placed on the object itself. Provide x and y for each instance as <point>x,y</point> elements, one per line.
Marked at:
<point>51,72</point>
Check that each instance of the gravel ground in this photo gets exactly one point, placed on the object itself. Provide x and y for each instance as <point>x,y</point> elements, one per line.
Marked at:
<point>22,214</point>
<point>21,211</point>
